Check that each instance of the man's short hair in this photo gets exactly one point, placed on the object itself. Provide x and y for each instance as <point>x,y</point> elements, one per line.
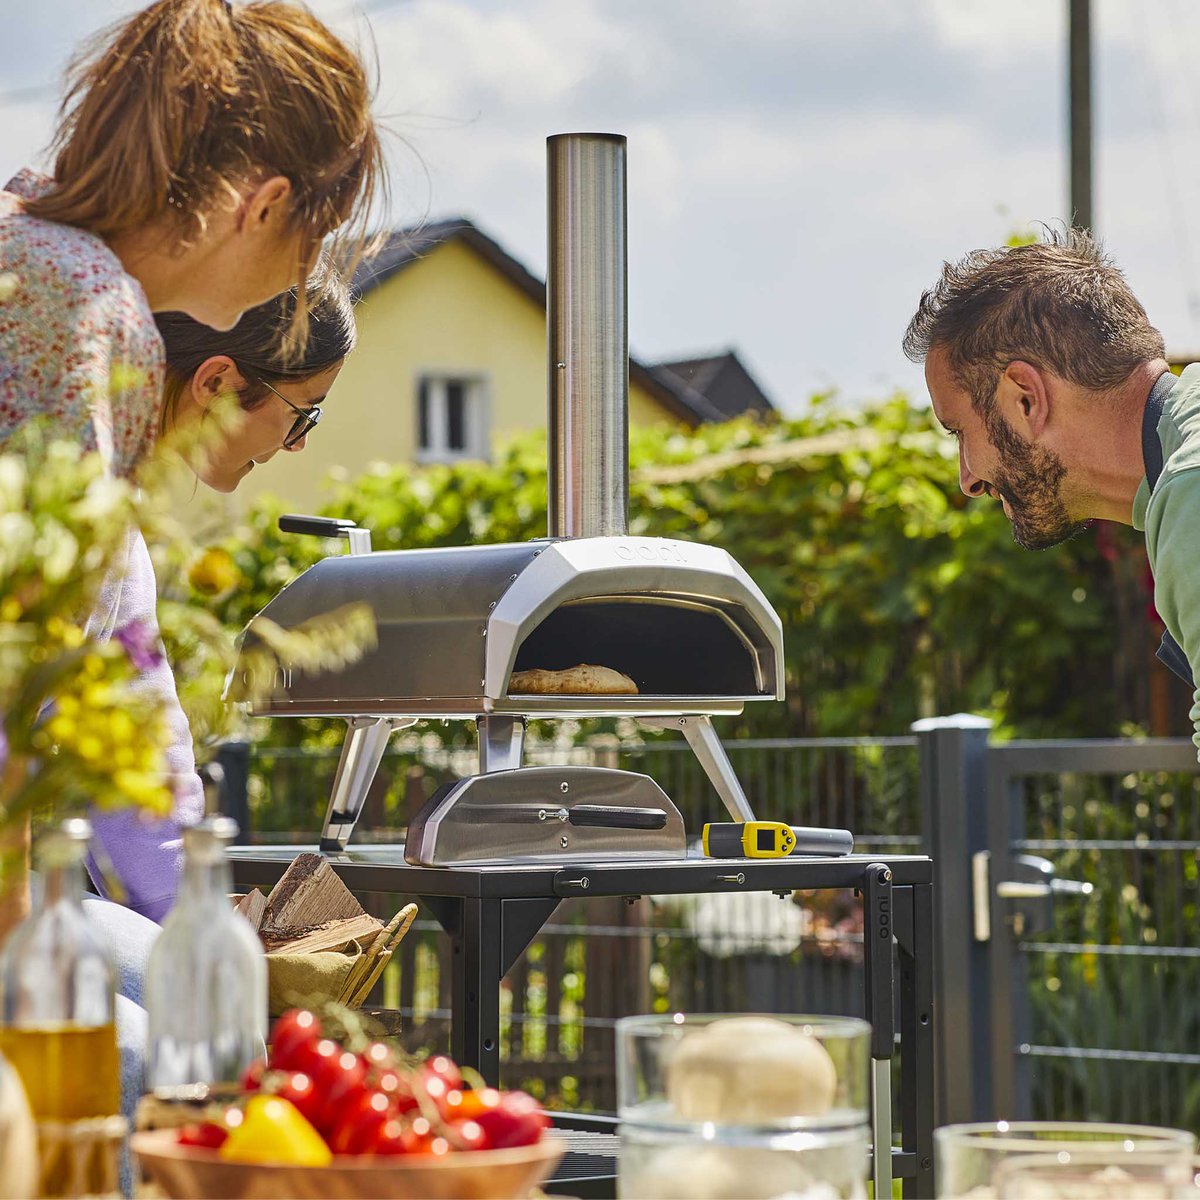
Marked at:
<point>1060,304</point>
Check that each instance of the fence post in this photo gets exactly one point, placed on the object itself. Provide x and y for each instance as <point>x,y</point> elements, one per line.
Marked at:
<point>952,755</point>
<point>234,758</point>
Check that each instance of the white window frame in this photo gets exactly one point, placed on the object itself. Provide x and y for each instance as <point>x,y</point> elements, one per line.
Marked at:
<point>476,417</point>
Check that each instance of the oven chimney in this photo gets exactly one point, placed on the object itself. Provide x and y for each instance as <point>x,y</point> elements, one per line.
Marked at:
<point>587,332</point>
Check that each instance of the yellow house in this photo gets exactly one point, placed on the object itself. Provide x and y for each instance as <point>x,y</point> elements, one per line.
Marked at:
<point>451,357</point>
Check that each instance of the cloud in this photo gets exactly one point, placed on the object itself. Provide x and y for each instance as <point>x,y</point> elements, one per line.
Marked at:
<point>798,169</point>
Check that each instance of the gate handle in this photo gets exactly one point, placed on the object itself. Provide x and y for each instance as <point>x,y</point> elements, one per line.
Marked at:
<point>1011,889</point>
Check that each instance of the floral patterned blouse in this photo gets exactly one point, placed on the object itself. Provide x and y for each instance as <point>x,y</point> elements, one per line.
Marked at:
<point>78,342</point>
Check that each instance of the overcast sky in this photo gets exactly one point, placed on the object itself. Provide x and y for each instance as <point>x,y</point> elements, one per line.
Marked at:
<point>797,168</point>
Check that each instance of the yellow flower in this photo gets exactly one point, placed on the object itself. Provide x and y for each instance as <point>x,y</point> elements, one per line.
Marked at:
<point>214,573</point>
<point>60,728</point>
<point>89,747</point>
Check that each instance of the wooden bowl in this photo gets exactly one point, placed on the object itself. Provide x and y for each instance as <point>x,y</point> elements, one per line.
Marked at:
<point>191,1173</point>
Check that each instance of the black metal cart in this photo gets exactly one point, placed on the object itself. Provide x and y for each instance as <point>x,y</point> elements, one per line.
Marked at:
<point>492,913</point>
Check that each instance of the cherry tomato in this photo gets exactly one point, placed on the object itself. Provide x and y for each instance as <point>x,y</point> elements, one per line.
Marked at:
<point>315,1059</point>
<point>444,1068</point>
<point>516,1121</point>
<point>296,1029</point>
<point>419,1138</point>
<point>340,1080</point>
<point>298,1089</point>
<point>389,1138</point>
<point>378,1056</point>
<point>398,1089</point>
<point>252,1076</point>
<point>208,1135</point>
<point>359,1123</point>
<point>434,1086</point>
<point>467,1135</point>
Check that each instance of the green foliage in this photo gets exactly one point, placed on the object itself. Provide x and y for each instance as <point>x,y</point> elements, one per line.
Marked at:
<point>898,598</point>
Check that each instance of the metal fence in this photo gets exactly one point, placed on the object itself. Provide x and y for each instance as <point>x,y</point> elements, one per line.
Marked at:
<point>1113,1025</point>
<point>1102,1020</point>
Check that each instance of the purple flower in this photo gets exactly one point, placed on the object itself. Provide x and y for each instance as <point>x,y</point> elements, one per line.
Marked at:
<point>141,644</point>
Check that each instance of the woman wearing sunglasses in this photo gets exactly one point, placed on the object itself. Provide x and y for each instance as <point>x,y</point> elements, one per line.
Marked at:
<point>278,402</point>
<point>277,407</point>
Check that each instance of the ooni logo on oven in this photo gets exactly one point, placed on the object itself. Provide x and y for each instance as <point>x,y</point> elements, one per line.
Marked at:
<point>281,679</point>
<point>668,552</point>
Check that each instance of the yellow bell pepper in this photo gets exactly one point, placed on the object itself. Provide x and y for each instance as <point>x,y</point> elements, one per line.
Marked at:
<point>272,1130</point>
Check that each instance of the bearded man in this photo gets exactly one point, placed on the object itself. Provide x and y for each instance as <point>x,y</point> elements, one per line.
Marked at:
<point>1043,365</point>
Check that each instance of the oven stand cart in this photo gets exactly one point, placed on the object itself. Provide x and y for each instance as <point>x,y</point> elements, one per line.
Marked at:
<point>492,913</point>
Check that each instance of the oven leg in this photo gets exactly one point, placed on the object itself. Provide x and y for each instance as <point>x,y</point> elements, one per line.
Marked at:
<point>475,991</point>
<point>501,742</point>
<point>706,746</point>
<point>366,740</point>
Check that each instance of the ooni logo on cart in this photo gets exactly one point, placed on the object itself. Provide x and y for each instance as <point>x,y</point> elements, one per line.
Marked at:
<point>650,551</point>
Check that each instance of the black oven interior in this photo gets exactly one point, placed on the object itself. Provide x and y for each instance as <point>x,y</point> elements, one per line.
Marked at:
<point>667,647</point>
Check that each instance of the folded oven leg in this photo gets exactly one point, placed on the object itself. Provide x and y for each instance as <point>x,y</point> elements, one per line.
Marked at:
<point>501,742</point>
<point>706,746</point>
<point>366,740</point>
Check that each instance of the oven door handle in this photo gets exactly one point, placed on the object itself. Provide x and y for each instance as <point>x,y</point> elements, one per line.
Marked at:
<point>614,816</point>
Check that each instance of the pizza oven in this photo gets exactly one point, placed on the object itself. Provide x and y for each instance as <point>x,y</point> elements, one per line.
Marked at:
<point>683,623</point>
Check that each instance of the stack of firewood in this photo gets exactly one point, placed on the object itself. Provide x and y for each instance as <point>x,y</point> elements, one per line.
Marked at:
<point>320,942</point>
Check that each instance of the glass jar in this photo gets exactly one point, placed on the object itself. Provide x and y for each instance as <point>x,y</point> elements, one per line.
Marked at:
<point>1029,1160</point>
<point>716,1107</point>
<point>206,981</point>
<point>57,997</point>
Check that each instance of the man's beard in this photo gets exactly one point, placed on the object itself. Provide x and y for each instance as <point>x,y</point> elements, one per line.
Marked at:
<point>1030,478</point>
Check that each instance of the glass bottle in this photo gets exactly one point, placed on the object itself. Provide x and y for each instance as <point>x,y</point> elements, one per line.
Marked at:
<point>206,981</point>
<point>57,999</point>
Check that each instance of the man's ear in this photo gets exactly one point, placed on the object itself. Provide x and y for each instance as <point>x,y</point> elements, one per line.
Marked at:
<point>1024,398</point>
<point>268,206</point>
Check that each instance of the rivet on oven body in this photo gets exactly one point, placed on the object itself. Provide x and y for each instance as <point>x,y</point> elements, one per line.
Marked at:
<point>564,786</point>
<point>564,842</point>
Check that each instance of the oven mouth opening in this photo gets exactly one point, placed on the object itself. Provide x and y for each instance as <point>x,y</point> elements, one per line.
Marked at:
<point>669,646</point>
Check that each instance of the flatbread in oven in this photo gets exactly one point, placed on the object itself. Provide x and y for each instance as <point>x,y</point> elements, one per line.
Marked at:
<point>582,680</point>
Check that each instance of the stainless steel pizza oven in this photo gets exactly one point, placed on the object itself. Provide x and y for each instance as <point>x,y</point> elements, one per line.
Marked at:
<point>683,621</point>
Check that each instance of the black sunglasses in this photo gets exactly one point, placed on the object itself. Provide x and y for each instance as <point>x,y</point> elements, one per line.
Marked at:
<point>306,418</point>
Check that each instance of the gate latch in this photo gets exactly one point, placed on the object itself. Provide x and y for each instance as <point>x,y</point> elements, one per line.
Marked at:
<point>1028,897</point>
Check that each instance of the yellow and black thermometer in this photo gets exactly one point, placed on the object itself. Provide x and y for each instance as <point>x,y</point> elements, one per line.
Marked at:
<point>773,839</point>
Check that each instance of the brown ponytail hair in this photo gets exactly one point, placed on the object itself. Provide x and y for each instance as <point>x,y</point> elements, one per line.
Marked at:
<point>171,110</point>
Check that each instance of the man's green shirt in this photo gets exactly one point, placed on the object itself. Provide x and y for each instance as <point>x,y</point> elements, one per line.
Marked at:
<point>1170,517</point>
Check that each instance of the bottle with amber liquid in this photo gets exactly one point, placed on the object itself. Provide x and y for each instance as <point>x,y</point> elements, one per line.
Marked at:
<point>57,999</point>
<point>206,981</point>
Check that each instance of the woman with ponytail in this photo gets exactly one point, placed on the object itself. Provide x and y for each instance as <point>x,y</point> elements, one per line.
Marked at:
<point>205,151</point>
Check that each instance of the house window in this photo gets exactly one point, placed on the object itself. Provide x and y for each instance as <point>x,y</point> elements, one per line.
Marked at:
<point>452,418</point>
